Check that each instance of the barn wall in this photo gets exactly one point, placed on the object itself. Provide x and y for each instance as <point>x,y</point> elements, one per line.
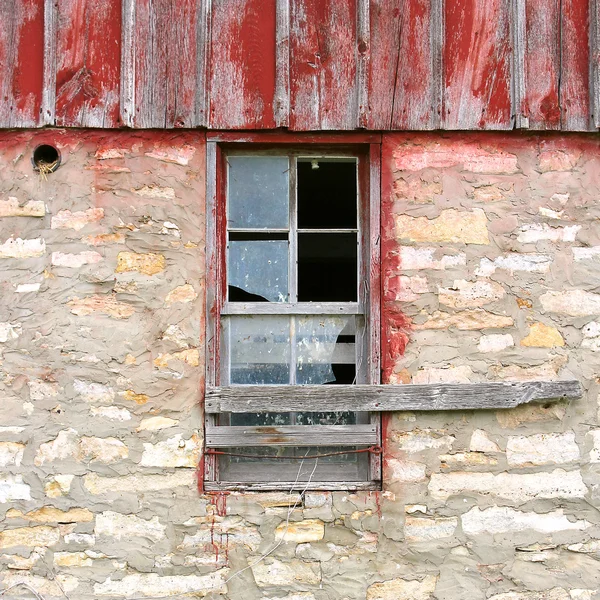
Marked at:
<point>490,263</point>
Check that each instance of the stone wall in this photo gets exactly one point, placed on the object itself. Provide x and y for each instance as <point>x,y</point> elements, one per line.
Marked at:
<point>491,250</point>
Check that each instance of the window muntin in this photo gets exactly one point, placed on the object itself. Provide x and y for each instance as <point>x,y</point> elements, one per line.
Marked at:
<point>323,304</point>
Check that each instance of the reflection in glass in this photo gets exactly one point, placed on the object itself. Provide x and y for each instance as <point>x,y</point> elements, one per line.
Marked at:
<point>258,192</point>
<point>260,268</point>
<point>259,350</point>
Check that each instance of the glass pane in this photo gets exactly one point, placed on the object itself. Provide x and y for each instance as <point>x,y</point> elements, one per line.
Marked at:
<point>258,192</point>
<point>259,271</point>
<point>327,267</point>
<point>327,195</point>
<point>326,350</point>
<point>259,350</point>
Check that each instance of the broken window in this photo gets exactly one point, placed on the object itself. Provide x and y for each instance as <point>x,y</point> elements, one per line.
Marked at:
<point>292,311</point>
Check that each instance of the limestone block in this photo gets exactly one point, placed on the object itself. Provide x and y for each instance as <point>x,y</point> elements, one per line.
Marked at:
<point>495,342</point>
<point>58,485</point>
<point>501,519</point>
<point>467,294</point>
<point>417,190</point>
<point>104,450</point>
<point>406,471</point>
<point>431,375</point>
<point>182,293</point>
<point>467,320</point>
<point>65,219</point>
<point>148,264</point>
<point>480,442</point>
<point>40,390</point>
<point>153,585</point>
<point>403,589</point>
<point>56,587</point>
<point>275,572</point>
<point>112,413</point>
<point>557,160</point>
<point>425,258</point>
<point>573,303</point>
<point>422,439</point>
<point>512,486</point>
<point>155,191</point>
<point>29,536</point>
<point>543,336</point>
<point>12,488</point>
<point>11,208</point>
<point>75,261</point>
<point>538,232</point>
<point>72,559</point>
<point>18,248</point>
<point>118,526</point>
<point>190,357</point>
<point>527,263</point>
<point>157,423</point>
<point>51,514</point>
<point>419,529</point>
<point>542,449</point>
<point>104,239</point>
<point>309,530</point>
<point>452,226</point>
<point>132,396</point>
<point>467,459</point>
<point>591,336</point>
<point>179,155</point>
<point>107,305</point>
<point>97,485</point>
<point>62,447</point>
<point>93,392</point>
<point>226,532</point>
<point>174,452</point>
<point>9,332</point>
<point>11,454</point>
<point>594,436</point>
<point>552,594</point>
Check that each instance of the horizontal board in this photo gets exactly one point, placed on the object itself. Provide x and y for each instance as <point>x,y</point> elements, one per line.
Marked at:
<point>292,435</point>
<point>383,398</point>
<point>290,308</point>
<point>269,486</point>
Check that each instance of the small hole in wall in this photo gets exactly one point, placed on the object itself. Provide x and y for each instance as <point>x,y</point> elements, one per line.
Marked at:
<point>45,159</point>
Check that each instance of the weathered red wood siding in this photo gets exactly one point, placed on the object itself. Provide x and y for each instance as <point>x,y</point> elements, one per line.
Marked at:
<point>301,64</point>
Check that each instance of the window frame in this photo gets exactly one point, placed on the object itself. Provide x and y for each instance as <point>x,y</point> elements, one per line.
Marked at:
<point>367,148</point>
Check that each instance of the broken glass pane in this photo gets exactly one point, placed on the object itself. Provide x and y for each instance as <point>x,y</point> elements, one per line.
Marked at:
<point>326,349</point>
<point>259,349</point>
<point>259,268</point>
<point>258,192</point>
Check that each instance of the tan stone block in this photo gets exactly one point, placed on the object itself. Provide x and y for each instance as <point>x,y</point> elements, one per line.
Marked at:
<point>417,190</point>
<point>104,450</point>
<point>10,331</point>
<point>530,413</point>
<point>223,532</point>
<point>272,572</point>
<point>12,208</point>
<point>75,261</point>
<point>557,160</point>
<point>480,442</point>
<point>403,589</point>
<point>118,526</point>
<point>431,375</point>
<point>543,336</point>
<point>65,219</point>
<point>548,370</point>
<point>18,248</point>
<point>309,530</point>
<point>495,342</point>
<point>405,470</point>
<point>425,258</point>
<point>492,193</point>
<point>179,155</point>
<point>104,239</point>
<point>157,423</point>
<point>467,459</point>
<point>148,264</point>
<point>57,587</point>
<point>154,191</point>
<point>466,320</point>
<point>12,488</point>
<point>466,294</point>
<point>452,226</point>
<point>19,563</point>
<point>131,396</point>
<point>62,447</point>
<point>190,357</point>
<point>72,559</point>
<point>420,440</point>
<point>50,514</point>
<point>59,485</point>
<point>29,536</point>
<point>574,303</point>
<point>182,293</point>
<point>97,485</point>
<point>542,449</point>
<point>107,305</point>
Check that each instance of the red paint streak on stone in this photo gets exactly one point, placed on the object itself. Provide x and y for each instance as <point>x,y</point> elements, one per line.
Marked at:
<point>219,501</point>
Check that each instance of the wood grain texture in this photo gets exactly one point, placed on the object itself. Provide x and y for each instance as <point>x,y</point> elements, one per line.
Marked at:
<point>595,62</point>
<point>88,54</point>
<point>575,63</point>
<point>292,435</point>
<point>287,486</point>
<point>242,66</point>
<point>477,65</point>
<point>542,64</point>
<point>402,78</point>
<point>165,47</point>
<point>21,62</point>
<point>323,73</point>
<point>380,398</point>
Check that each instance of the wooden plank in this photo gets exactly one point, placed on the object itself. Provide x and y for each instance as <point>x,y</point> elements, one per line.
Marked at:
<point>165,68</point>
<point>518,36</point>
<point>380,398</point>
<point>575,65</point>
<point>292,435</point>
<point>401,89</point>
<point>281,102</point>
<point>203,38</point>
<point>21,62</point>
<point>312,138</point>
<point>477,65</point>
<point>595,61</point>
<point>323,73</point>
<point>127,103</point>
<point>242,66</point>
<point>291,308</point>
<point>331,486</point>
<point>88,63</point>
<point>542,64</point>
<point>48,113</point>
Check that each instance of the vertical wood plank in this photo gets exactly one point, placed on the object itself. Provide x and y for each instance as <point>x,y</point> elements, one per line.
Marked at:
<point>49,90</point>
<point>595,62</point>
<point>281,103</point>
<point>21,62</point>
<point>542,64</point>
<point>363,61</point>
<point>88,63</point>
<point>127,104</point>
<point>575,63</point>
<point>518,69</point>
<point>164,38</point>
<point>203,37</point>
<point>242,70</point>
<point>402,90</point>
<point>323,46</point>
<point>477,64</point>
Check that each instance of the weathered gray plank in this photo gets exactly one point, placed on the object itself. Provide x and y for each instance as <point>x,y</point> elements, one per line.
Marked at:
<point>595,60</point>
<point>291,308</point>
<point>292,435</point>
<point>383,398</point>
<point>269,486</point>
